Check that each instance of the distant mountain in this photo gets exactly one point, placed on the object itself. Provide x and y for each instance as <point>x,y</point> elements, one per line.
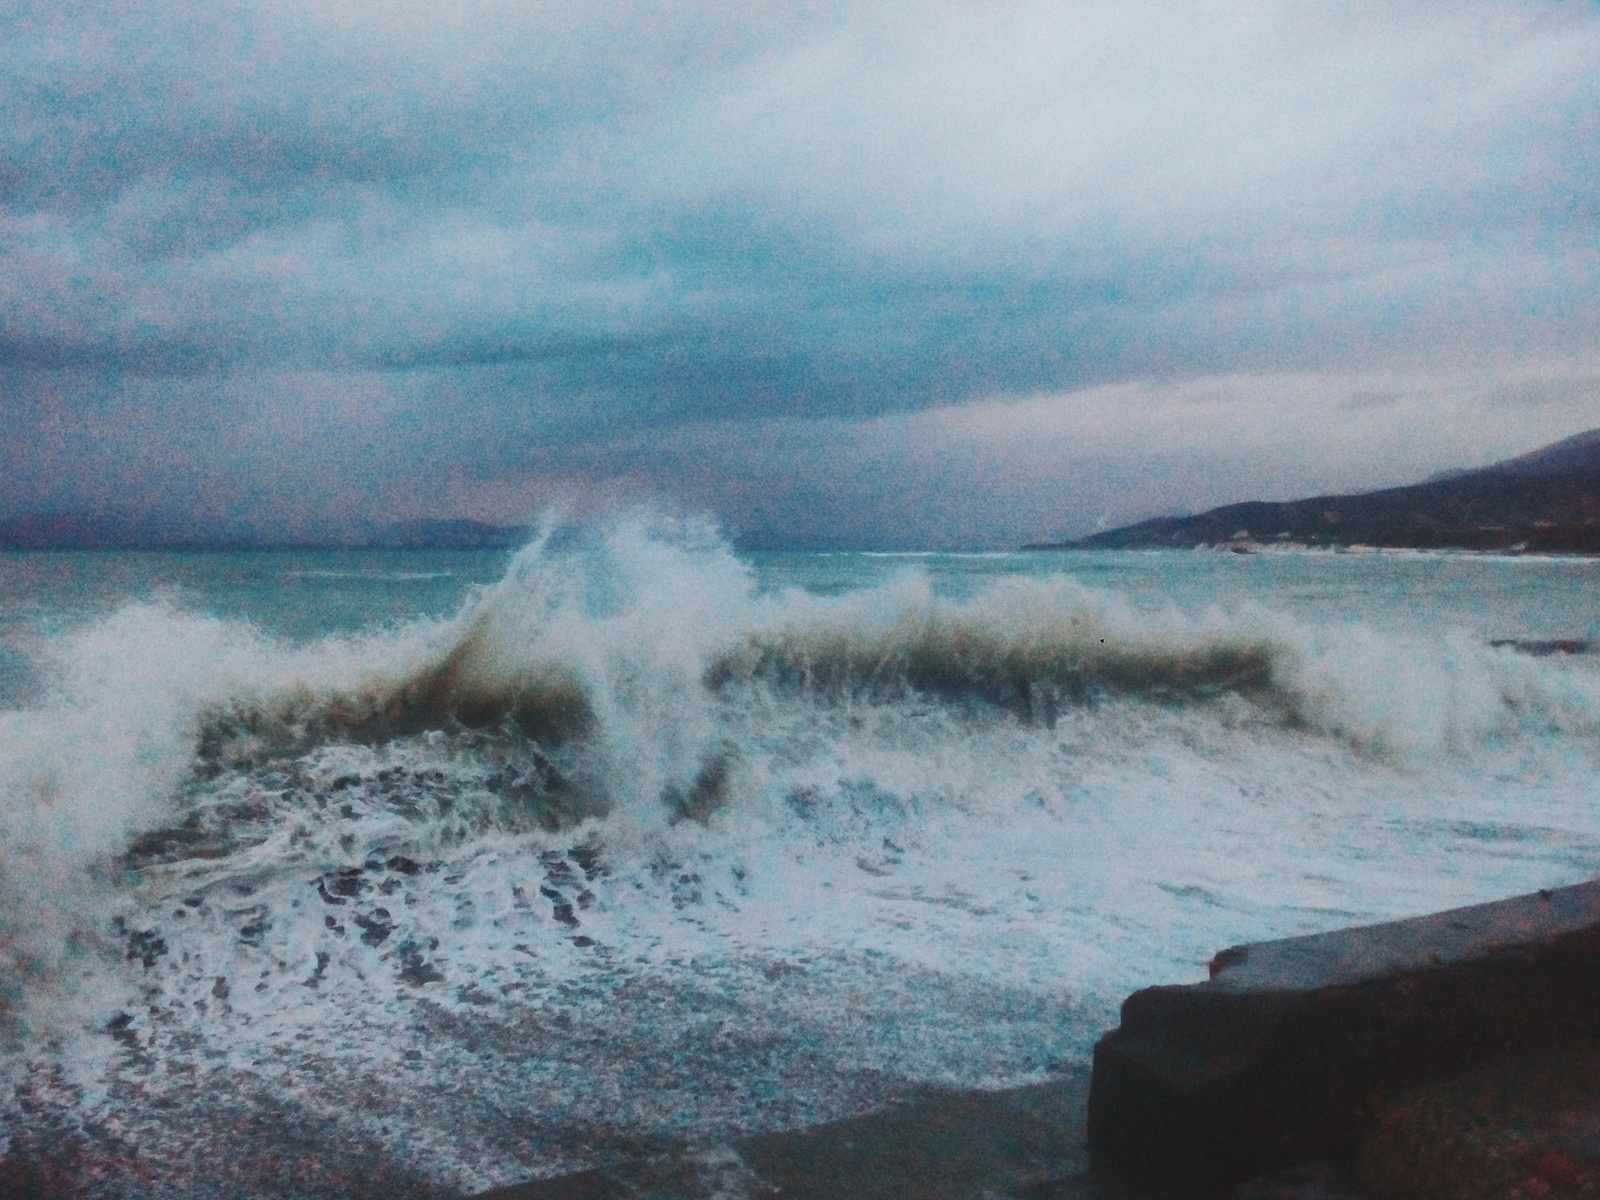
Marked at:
<point>1544,501</point>
<point>111,531</point>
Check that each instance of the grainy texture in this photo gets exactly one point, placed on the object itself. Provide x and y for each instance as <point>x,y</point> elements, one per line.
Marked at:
<point>1524,1126</point>
<point>1282,1056</point>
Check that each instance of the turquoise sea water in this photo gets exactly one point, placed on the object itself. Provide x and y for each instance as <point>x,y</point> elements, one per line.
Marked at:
<point>435,871</point>
<point>308,594</point>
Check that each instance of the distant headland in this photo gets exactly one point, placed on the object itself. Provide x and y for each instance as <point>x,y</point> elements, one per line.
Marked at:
<point>1543,502</point>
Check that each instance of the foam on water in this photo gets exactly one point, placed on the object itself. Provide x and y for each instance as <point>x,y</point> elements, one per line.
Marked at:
<point>627,845</point>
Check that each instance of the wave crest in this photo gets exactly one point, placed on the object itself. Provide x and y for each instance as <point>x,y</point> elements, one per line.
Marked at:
<point>636,656</point>
<point>634,672</point>
<point>544,702</point>
<point>1058,657</point>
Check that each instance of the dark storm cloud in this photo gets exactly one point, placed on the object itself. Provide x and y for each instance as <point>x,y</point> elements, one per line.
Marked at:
<point>509,229</point>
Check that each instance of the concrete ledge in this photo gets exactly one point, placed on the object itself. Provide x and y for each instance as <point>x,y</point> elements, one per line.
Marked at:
<point>1282,1056</point>
<point>1524,1125</point>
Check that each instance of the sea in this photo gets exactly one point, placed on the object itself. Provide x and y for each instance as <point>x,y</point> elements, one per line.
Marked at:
<point>348,873</point>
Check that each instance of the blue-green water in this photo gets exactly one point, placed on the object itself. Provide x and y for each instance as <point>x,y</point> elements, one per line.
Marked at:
<point>466,866</point>
<point>304,595</point>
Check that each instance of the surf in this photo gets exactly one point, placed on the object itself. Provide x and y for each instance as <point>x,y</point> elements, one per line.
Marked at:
<point>640,799</point>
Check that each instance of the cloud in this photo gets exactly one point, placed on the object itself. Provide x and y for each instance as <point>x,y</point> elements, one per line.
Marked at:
<point>321,453</point>
<point>1050,466</point>
<point>535,227</point>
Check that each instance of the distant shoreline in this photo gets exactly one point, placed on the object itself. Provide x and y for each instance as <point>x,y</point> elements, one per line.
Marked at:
<point>1269,548</point>
<point>1544,502</point>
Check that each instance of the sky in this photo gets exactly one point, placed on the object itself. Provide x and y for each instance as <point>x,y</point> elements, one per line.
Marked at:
<point>845,274</point>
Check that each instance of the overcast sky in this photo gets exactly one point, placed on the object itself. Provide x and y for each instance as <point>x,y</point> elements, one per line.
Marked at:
<point>842,273</point>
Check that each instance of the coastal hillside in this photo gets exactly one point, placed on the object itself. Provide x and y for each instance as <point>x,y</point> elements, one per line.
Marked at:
<point>1544,501</point>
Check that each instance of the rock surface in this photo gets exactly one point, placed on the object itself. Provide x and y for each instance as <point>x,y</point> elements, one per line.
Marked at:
<point>1524,1125</point>
<point>1024,1143</point>
<point>1286,1054</point>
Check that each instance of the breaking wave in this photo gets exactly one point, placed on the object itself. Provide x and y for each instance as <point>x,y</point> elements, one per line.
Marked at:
<point>427,898</point>
<point>633,672</point>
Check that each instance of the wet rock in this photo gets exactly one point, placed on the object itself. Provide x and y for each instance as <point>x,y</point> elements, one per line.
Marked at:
<point>121,1028</point>
<point>414,969</point>
<point>375,929</point>
<point>252,933</point>
<point>1324,1180</point>
<point>1016,1142</point>
<point>146,945</point>
<point>1282,1055</point>
<point>404,865</point>
<point>348,882</point>
<point>562,909</point>
<point>556,869</point>
<point>1544,649</point>
<point>587,856</point>
<point>322,965</point>
<point>1522,1125</point>
<point>327,897</point>
<point>219,988</point>
<point>686,890</point>
<point>343,885</point>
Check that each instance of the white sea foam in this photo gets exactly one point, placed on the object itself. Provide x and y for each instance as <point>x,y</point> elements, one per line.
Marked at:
<point>626,807</point>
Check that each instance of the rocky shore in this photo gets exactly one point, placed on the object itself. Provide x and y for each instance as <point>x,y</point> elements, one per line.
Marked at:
<point>1454,1056</point>
<point>1310,1048</point>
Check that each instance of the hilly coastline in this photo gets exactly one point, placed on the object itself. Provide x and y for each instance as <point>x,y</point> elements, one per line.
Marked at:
<point>1546,501</point>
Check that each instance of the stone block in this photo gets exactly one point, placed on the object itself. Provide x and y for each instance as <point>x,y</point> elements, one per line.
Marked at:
<point>1284,1054</point>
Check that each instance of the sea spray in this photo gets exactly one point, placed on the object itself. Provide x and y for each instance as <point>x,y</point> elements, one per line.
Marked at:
<point>612,654</point>
<point>629,820</point>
